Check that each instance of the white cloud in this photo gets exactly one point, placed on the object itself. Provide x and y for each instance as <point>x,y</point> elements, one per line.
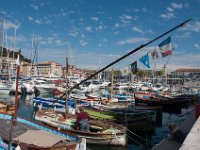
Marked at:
<point>83,43</point>
<point>136,29</point>
<point>176,6</point>
<point>132,40</point>
<point>34,6</point>
<point>95,18</point>
<point>195,27</point>
<point>197,46</point>
<point>125,17</point>
<point>88,29</point>
<point>117,25</point>
<point>73,33</point>
<point>30,18</point>
<point>170,10</point>
<point>38,21</point>
<point>167,15</point>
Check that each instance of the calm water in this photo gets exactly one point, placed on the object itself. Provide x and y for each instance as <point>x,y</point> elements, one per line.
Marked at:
<point>166,116</point>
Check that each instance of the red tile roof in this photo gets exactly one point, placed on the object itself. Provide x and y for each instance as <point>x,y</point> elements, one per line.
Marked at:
<point>187,70</point>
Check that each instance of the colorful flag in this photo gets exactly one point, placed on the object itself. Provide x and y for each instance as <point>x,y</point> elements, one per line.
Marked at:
<point>166,47</point>
<point>17,61</point>
<point>154,54</point>
<point>134,67</point>
<point>145,60</point>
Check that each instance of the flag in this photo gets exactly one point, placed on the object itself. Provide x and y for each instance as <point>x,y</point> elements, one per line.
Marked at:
<point>17,61</point>
<point>125,71</point>
<point>134,67</point>
<point>145,60</point>
<point>154,54</point>
<point>166,47</point>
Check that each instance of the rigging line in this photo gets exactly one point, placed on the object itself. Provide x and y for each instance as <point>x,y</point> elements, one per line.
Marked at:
<point>126,55</point>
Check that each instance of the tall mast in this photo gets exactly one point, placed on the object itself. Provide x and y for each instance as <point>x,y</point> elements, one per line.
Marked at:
<point>67,96</point>
<point>16,91</point>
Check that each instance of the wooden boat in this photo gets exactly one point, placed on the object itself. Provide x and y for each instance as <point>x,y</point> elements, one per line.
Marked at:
<point>31,135</point>
<point>126,117</point>
<point>100,132</point>
<point>163,100</point>
<point>57,104</point>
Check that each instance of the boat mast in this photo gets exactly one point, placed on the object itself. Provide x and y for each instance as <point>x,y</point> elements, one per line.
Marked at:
<point>16,91</point>
<point>67,96</point>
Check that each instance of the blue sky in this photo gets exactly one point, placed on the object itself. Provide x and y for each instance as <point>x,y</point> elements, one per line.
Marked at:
<point>100,31</point>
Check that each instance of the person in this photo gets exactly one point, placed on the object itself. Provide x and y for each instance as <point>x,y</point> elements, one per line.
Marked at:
<point>82,121</point>
<point>176,133</point>
<point>36,91</point>
<point>36,108</point>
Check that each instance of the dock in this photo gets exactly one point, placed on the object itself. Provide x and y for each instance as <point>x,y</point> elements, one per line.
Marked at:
<point>193,138</point>
<point>170,143</point>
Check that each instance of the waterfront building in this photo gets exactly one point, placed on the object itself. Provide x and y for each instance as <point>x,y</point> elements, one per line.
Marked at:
<point>48,69</point>
<point>188,76</point>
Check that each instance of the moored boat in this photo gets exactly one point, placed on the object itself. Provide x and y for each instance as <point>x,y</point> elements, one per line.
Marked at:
<point>31,135</point>
<point>101,132</point>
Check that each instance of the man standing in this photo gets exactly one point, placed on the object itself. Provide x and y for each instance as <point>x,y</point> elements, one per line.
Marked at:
<point>82,121</point>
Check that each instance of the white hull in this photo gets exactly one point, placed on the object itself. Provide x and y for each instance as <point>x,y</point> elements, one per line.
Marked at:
<point>115,140</point>
<point>4,91</point>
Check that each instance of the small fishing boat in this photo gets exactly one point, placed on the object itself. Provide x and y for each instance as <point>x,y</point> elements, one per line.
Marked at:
<point>101,132</point>
<point>125,117</point>
<point>163,100</point>
<point>4,89</point>
<point>31,135</point>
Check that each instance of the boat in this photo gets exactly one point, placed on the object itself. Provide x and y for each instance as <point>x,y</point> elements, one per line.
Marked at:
<point>101,132</point>
<point>163,100</point>
<point>31,135</point>
<point>129,118</point>
<point>57,104</point>
<point>4,89</point>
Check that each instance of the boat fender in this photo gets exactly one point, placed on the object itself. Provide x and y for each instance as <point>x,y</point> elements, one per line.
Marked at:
<point>18,147</point>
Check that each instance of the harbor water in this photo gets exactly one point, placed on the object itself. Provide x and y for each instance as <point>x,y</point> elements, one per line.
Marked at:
<point>160,127</point>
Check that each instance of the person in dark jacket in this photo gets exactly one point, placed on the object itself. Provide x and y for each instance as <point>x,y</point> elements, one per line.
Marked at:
<point>82,121</point>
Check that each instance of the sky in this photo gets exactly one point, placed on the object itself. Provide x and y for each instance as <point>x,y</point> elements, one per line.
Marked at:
<point>93,33</point>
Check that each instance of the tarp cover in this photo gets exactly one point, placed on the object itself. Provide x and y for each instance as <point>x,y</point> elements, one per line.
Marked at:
<point>39,138</point>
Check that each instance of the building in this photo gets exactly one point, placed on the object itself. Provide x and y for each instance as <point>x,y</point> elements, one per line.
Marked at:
<point>189,77</point>
<point>48,69</point>
<point>77,72</point>
<point>8,65</point>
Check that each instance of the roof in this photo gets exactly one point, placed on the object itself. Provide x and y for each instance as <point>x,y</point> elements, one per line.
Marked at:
<point>187,70</point>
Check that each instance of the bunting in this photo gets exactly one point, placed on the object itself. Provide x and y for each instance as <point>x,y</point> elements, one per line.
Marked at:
<point>165,47</point>
<point>145,60</point>
<point>134,67</point>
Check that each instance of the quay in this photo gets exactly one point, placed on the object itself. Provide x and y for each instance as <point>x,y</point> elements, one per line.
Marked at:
<point>193,138</point>
<point>190,142</point>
